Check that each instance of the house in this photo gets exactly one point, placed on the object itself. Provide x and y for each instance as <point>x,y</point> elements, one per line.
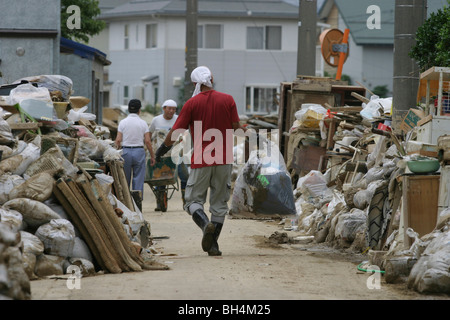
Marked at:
<point>84,66</point>
<point>31,45</point>
<point>371,45</point>
<point>250,46</point>
<point>29,39</point>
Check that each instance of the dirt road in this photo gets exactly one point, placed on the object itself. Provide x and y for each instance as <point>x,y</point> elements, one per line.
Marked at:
<point>251,267</point>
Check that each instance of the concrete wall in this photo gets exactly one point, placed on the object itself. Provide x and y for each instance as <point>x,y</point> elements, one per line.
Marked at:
<point>40,52</point>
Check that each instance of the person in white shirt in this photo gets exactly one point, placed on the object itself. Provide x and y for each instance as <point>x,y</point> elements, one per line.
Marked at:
<point>132,135</point>
<point>161,125</point>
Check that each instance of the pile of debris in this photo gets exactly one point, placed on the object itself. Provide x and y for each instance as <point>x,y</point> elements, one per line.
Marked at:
<point>349,173</point>
<point>348,170</point>
<point>63,193</point>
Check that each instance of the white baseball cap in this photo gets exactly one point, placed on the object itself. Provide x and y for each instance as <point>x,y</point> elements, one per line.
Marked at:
<point>169,103</point>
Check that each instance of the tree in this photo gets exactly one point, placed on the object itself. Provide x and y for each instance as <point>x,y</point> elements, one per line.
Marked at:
<point>381,91</point>
<point>88,25</point>
<point>432,46</point>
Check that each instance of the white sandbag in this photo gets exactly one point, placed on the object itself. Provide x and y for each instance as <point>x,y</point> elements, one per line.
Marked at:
<point>362,198</point>
<point>29,155</point>
<point>81,250</point>
<point>31,243</point>
<point>47,265</point>
<point>34,213</point>
<point>10,164</point>
<point>431,272</point>
<point>58,237</point>
<point>7,182</point>
<point>17,164</point>
<point>85,267</point>
<point>315,185</point>
<point>29,263</point>
<point>6,151</point>
<point>91,148</point>
<point>105,181</point>
<point>39,187</point>
<point>12,218</point>
<point>349,224</point>
<point>6,135</point>
<point>443,218</point>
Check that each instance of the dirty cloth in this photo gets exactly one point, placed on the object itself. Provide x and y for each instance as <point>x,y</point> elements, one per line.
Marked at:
<point>201,75</point>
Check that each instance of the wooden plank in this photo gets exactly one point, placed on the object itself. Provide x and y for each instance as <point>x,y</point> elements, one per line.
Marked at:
<point>346,109</point>
<point>128,200</point>
<point>106,222</point>
<point>71,212</point>
<point>95,228</point>
<point>105,257</point>
<point>311,85</point>
<point>115,222</point>
<point>360,97</point>
<point>25,126</point>
<point>98,223</point>
<point>331,132</point>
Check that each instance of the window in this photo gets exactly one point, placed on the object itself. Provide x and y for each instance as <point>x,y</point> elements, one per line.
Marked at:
<point>267,38</point>
<point>262,100</point>
<point>255,37</point>
<point>125,94</point>
<point>126,40</point>
<point>210,36</point>
<point>151,40</point>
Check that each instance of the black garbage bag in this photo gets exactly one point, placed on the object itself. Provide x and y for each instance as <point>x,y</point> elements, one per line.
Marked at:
<point>263,189</point>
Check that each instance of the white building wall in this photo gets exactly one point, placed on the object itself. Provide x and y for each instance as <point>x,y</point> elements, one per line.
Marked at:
<point>233,67</point>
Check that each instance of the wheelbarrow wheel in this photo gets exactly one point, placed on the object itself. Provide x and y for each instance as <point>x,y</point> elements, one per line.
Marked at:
<point>162,199</point>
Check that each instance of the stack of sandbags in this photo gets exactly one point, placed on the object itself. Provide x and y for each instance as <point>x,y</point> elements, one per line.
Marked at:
<point>14,282</point>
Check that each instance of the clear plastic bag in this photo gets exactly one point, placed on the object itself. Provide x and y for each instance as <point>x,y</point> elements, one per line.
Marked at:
<point>52,83</point>
<point>28,91</point>
<point>75,116</point>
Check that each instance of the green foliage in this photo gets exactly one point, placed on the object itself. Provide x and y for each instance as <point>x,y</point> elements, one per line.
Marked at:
<point>381,91</point>
<point>344,77</point>
<point>432,46</point>
<point>89,25</point>
<point>154,110</point>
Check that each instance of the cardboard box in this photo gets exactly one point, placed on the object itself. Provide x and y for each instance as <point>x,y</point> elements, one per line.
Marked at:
<point>411,119</point>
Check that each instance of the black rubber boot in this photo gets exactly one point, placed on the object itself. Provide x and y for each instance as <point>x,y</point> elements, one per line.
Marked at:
<point>214,251</point>
<point>182,196</point>
<point>200,218</point>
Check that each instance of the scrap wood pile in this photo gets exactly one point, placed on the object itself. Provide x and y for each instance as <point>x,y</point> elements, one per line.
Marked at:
<point>64,199</point>
<point>352,196</point>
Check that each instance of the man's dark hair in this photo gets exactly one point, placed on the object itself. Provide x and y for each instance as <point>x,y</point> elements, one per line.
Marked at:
<point>134,106</point>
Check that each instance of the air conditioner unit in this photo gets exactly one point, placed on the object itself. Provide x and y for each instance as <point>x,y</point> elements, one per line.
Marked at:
<point>177,82</point>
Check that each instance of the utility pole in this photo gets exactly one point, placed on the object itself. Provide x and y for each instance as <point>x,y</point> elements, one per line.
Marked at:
<point>306,52</point>
<point>191,46</point>
<point>409,15</point>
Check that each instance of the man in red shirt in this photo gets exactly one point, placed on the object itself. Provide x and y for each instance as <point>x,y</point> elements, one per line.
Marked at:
<point>211,117</point>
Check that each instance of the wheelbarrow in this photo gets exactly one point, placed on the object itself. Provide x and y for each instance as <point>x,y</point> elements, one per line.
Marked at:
<point>163,180</point>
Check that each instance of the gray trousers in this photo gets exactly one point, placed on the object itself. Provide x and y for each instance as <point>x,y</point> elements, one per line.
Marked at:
<point>218,180</point>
